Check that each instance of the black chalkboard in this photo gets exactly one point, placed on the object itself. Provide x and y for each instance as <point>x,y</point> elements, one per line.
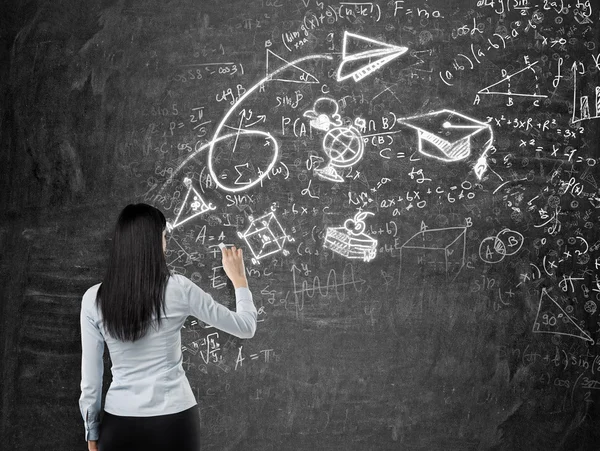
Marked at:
<point>415,184</point>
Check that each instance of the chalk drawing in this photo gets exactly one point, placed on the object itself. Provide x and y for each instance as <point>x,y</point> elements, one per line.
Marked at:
<point>351,241</point>
<point>504,86</point>
<point>551,318</point>
<point>290,74</point>
<point>361,56</point>
<point>269,141</point>
<point>493,249</point>
<point>324,114</point>
<point>448,136</point>
<point>265,236</point>
<point>344,146</point>
<point>190,208</point>
<point>582,102</point>
<point>442,248</point>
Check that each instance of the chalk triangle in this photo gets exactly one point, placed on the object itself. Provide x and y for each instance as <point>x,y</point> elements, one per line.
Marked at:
<point>524,78</point>
<point>193,205</point>
<point>291,73</point>
<point>355,46</point>
<point>552,319</point>
<point>588,177</point>
<point>361,56</point>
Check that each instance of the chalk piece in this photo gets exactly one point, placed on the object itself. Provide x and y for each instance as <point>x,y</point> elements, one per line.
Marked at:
<point>222,246</point>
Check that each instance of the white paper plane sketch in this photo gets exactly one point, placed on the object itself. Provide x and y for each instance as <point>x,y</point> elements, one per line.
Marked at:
<point>551,318</point>
<point>265,237</point>
<point>343,145</point>
<point>361,56</point>
<point>351,241</point>
<point>291,74</point>
<point>189,210</point>
<point>444,248</point>
<point>448,136</point>
<point>506,83</point>
<point>493,249</point>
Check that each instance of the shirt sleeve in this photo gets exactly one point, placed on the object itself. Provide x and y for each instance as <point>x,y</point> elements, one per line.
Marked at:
<point>92,369</point>
<point>241,323</point>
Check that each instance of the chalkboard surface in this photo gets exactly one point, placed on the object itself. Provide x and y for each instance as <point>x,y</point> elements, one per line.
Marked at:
<point>415,185</point>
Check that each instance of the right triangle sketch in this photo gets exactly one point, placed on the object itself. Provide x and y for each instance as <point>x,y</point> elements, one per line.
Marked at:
<point>522,83</point>
<point>275,64</point>
<point>551,318</point>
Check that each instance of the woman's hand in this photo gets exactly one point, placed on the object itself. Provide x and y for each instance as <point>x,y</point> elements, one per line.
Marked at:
<point>233,264</point>
<point>92,445</point>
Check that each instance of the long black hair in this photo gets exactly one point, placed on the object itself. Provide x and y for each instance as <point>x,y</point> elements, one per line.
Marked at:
<point>132,293</point>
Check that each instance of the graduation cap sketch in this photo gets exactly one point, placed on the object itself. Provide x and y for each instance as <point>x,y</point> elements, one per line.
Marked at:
<point>361,56</point>
<point>450,136</point>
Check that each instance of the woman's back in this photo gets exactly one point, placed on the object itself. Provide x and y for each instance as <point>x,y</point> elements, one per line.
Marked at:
<point>138,311</point>
<point>148,375</point>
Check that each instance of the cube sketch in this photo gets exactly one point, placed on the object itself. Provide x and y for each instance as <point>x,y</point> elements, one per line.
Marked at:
<point>265,237</point>
<point>440,250</point>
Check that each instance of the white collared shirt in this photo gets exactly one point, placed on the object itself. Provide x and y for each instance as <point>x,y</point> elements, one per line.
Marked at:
<point>147,375</point>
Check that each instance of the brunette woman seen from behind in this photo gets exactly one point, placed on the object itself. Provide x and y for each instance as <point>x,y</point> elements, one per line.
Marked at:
<point>138,311</point>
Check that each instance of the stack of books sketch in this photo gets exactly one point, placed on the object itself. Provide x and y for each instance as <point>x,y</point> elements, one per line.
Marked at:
<point>362,247</point>
<point>350,240</point>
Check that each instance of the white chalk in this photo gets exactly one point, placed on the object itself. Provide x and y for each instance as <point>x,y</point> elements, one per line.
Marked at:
<point>222,246</point>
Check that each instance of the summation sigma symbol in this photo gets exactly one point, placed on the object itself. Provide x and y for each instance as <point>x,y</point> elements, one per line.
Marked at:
<point>190,208</point>
<point>343,145</point>
<point>265,236</point>
<point>351,241</point>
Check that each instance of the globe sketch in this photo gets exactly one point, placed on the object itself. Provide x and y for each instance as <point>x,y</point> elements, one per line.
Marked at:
<point>344,146</point>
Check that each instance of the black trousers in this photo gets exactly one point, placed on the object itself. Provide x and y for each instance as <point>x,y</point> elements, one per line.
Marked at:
<point>175,432</point>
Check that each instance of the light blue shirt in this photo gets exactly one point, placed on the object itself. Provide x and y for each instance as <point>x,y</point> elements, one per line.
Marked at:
<point>147,375</point>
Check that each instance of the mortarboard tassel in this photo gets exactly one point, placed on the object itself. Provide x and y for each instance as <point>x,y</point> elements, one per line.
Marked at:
<point>481,166</point>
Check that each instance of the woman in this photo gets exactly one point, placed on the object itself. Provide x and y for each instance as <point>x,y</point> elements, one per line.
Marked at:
<point>138,311</point>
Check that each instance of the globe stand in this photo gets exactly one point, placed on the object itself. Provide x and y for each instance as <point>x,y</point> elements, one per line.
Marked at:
<point>329,173</point>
